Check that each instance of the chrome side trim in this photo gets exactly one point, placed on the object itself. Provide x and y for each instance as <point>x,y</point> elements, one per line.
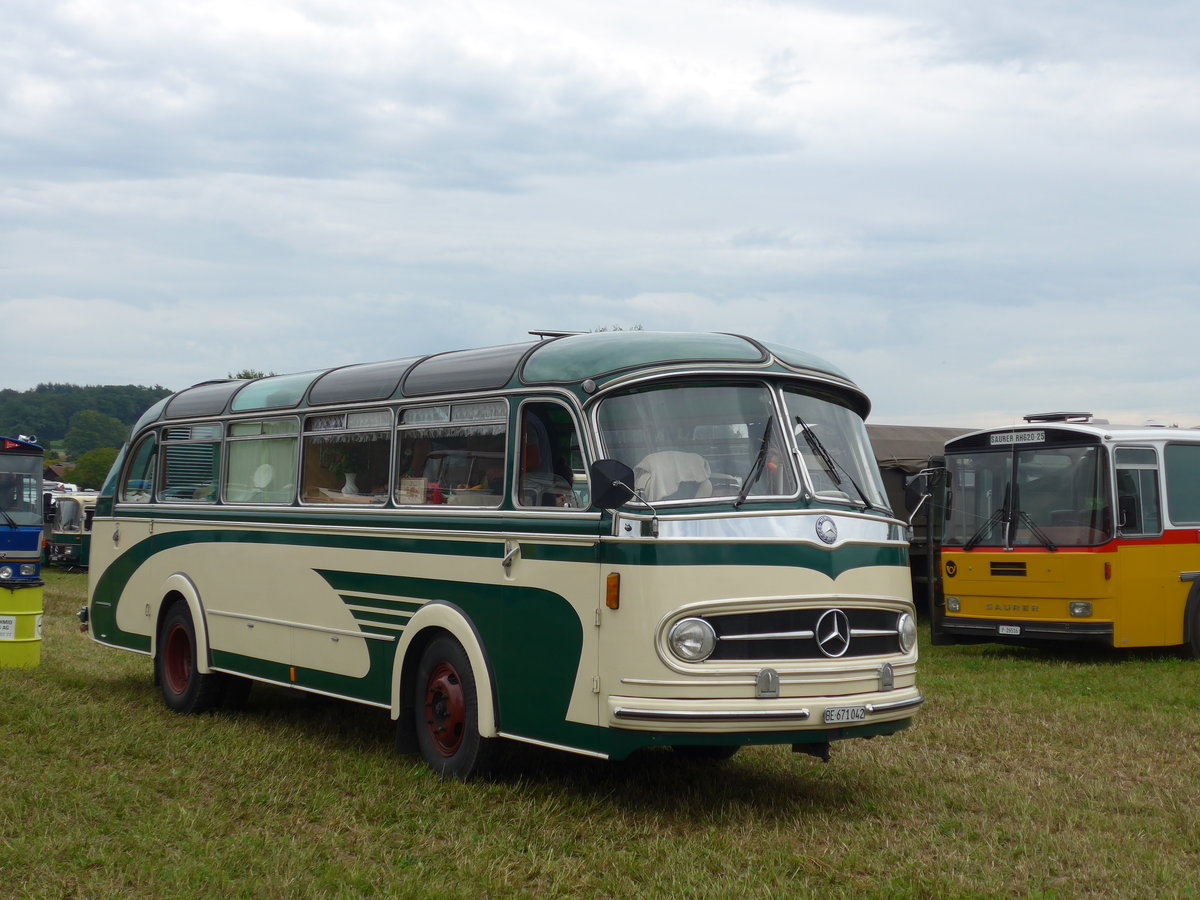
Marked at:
<point>307,690</point>
<point>303,626</point>
<point>897,704</point>
<point>695,715</point>
<point>550,745</point>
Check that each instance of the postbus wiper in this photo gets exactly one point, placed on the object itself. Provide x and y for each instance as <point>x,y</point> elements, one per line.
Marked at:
<point>831,464</point>
<point>756,470</point>
<point>999,514</point>
<point>1024,517</point>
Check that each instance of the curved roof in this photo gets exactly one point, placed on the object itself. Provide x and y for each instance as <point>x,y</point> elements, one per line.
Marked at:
<point>584,363</point>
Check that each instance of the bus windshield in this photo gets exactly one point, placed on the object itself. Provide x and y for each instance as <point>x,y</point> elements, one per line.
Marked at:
<point>699,441</point>
<point>836,452</point>
<point>1045,497</point>
<point>21,491</point>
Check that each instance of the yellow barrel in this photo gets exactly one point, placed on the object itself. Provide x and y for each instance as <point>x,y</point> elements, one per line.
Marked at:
<point>20,627</point>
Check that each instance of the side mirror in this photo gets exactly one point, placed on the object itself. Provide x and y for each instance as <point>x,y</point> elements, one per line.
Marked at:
<point>612,483</point>
<point>919,488</point>
<point>916,489</point>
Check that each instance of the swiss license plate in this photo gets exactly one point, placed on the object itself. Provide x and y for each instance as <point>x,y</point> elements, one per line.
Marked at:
<point>1009,629</point>
<point>837,714</point>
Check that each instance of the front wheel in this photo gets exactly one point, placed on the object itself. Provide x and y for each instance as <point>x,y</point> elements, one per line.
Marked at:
<point>184,688</point>
<point>446,709</point>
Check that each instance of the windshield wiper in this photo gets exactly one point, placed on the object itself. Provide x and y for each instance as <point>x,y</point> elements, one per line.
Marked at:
<point>831,464</point>
<point>1024,517</point>
<point>12,523</point>
<point>756,470</point>
<point>999,514</point>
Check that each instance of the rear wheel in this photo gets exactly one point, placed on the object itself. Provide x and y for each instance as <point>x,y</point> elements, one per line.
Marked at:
<point>184,688</point>
<point>446,710</point>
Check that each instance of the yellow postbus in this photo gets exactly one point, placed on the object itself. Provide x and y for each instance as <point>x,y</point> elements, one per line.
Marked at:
<point>594,542</point>
<point>1068,528</point>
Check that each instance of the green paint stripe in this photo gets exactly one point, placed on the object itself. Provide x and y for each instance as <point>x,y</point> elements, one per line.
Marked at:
<point>385,618</point>
<point>831,562</point>
<point>408,607</point>
<point>398,520</point>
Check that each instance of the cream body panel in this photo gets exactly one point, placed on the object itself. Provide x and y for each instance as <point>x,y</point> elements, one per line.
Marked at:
<point>267,601</point>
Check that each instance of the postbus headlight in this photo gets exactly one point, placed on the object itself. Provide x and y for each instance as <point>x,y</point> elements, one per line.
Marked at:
<point>952,604</point>
<point>907,629</point>
<point>6,573</point>
<point>1081,609</point>
<point>692,640</point>
<point>29,569</point>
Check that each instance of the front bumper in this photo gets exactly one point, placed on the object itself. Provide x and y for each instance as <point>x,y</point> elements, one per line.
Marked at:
<point>754,715</point>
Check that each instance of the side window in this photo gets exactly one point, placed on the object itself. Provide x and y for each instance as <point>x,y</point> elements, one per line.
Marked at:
<point>261,465</point>
<point>452,454</point>
<point>138,485</point>
<point>1138,504</point>
<point>190,461</point>
<point>1183,483</point>
<point>347,457</point>
<point>551,472</point>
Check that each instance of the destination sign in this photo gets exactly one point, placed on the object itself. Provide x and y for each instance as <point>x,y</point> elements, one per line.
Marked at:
<point>1004,438</point>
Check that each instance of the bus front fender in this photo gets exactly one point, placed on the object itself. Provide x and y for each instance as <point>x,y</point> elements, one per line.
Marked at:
<point>441,617</point>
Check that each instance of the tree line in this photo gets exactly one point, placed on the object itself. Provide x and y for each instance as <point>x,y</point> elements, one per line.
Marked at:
<point>90,422</point>
<point>50,411</point>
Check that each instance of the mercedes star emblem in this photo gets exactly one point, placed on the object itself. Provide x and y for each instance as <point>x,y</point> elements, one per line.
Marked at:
<point>827,529</point>
<point>833,632</point>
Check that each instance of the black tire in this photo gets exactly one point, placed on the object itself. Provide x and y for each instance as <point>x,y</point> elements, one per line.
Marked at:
<point>446,713</point>
<point>705,753</point>
<point>184,689</point>
<point>1191,624</point>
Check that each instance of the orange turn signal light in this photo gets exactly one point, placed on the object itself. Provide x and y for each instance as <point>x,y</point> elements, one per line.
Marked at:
<point>612,593</point>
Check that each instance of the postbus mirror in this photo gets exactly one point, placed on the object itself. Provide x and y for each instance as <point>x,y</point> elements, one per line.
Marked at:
<point>612,483</point>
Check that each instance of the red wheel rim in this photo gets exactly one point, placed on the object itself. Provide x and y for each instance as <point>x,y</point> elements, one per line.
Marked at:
<point>177,659</point>
<point>445,709</point>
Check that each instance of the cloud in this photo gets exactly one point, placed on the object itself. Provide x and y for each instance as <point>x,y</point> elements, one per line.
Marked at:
<point>975,212</point>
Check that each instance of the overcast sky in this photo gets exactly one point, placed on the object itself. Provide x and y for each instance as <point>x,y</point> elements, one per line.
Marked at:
<point>976,210</point>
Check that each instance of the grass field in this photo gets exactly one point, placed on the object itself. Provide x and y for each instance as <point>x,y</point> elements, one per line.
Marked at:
<point>1027,773</point>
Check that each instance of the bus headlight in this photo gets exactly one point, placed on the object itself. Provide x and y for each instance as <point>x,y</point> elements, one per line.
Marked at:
<point>952,604</point>
<point>1081,609</point>
<point>29,569</point>
<point>6,573</point>
<point>907,629</point>
<point>692,640</point>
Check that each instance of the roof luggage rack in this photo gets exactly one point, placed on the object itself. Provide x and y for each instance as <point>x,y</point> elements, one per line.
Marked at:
<point>1081,417</point>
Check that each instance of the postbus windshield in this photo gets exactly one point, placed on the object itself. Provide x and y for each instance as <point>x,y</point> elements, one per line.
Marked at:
<point>20,490</point>
<point>1044,497</point>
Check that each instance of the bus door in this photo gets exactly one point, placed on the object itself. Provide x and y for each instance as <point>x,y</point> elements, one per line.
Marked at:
<point>552,579</point>
<point>1147,584</point>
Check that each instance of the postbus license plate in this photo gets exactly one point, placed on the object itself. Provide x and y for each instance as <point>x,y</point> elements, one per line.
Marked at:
<point>838,714</point>
<point>1009,629</point>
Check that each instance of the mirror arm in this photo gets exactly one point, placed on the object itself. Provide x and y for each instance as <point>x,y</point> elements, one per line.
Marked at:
<point>637,495</point>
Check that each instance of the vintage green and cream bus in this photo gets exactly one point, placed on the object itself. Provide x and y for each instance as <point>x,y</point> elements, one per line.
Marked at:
<point>594,542</point>
<point>70,530</point>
